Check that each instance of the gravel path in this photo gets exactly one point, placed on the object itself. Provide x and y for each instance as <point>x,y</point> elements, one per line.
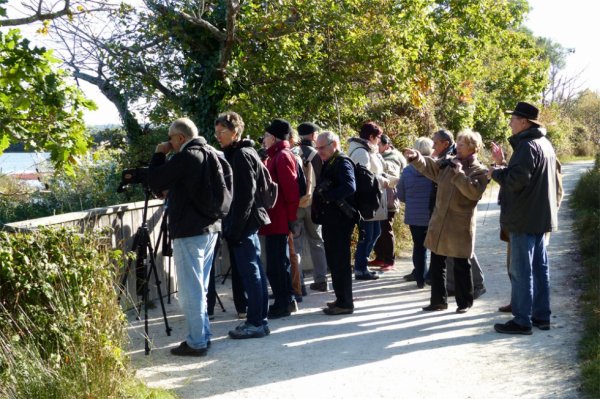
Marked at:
<point>389,348</point>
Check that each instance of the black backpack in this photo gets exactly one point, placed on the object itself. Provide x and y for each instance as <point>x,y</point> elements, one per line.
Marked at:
<point>368,191</point>
<point>218,181</point>
<point>266,189</point>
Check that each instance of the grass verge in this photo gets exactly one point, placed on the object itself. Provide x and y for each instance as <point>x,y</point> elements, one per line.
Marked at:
<point>586,204</point>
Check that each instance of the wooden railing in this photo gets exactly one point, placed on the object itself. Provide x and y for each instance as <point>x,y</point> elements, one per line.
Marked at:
<point>124,221</point>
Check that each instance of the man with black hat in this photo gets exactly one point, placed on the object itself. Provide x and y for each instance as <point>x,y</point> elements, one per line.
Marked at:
<point>306,230</point>
<point>282,167</point>
<point>529,202</point>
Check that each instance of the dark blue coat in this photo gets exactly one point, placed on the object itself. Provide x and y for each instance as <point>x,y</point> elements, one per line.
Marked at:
<point>414,190</point>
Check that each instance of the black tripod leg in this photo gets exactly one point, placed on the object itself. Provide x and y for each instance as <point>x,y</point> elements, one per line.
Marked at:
<point>158,290</point>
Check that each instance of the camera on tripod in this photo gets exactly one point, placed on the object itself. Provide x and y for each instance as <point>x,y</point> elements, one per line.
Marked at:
<point>133,176</point>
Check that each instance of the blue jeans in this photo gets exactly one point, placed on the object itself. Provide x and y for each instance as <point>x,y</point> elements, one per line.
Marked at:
<point>193,260</point>
<point>530,278</point>
<point>367,237</point>
<point>246,256</point>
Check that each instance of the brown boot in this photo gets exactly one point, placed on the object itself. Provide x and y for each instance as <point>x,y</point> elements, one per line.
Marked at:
<point>505,309</point>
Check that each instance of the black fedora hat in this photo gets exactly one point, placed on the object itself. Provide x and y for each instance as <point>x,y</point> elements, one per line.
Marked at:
<point>527,111</point>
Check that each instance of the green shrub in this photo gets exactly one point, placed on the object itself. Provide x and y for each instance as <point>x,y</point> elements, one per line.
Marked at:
<point>586,203</point>
<point>61,329</point>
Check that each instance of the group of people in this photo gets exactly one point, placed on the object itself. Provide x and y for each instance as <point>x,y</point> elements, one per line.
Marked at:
<point>440,182</point>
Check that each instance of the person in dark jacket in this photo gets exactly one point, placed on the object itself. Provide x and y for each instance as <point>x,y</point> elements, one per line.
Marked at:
<point>529,203</point>
<point>281,164</point>
<point>414,190</point>
<point>240,226</point>
<point>334,209</point>
<point>194,234</point>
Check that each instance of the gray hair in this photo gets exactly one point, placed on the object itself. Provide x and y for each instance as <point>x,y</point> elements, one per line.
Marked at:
<point>184,126</point>
<point>424,145</point>
<point>330,136</point>
<point>445,135</point>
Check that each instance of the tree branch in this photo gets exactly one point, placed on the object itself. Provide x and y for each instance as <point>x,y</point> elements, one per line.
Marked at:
<point>233,9</point>
<point>40,16</point>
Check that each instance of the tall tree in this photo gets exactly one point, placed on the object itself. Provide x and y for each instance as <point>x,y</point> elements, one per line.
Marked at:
<point>430,62</point>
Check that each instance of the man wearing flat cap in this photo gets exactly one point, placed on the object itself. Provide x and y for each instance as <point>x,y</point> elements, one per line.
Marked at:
<point>306,230</point>
<point>529,200</point>
<point>281,164</point>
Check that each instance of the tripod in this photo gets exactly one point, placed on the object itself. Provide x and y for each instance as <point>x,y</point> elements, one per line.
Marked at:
<point>144,270</point>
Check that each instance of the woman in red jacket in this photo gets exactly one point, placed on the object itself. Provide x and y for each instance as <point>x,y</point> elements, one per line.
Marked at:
<point>282,167</point>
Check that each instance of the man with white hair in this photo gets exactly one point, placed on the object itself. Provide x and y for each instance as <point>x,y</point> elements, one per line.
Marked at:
<point>334,209</point>
<point>194,233</point>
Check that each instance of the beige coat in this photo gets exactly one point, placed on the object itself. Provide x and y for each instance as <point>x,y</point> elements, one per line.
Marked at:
<point>451,230</point>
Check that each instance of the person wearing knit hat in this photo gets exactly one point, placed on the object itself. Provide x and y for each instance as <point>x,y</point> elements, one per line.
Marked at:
<point>282,166</point>
<point>280,128</point>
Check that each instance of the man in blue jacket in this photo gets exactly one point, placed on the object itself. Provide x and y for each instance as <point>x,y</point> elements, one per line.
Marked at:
<point>333,208</point>
<point>528,209</point>
<point>194,234</point>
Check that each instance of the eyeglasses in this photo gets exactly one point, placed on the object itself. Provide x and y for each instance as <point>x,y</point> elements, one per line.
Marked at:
<point>322,147</point>
<point>220,132</point>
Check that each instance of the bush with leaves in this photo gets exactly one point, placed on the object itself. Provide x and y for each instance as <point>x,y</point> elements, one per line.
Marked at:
<point>61,328</point>
<point>586,203</point>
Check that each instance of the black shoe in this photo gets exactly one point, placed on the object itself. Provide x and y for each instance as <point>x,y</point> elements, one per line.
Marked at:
<point>334,311</point>
<point>267,329</point>
<point>479,292</point>
<point>276,313</point>
<point>319,286</point>
<point>184,350</point>
<point>409,277</point>
<point>463,310</point>
<point>420,285</point>
<point>366,276</point>
<point>510,327</point>
<point>541,324</point>
<point>332,304</point>
<point>431,308</point>
<point>293,306</point>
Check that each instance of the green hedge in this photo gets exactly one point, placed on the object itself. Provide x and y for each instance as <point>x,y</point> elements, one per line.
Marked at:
<point>586,203</point>
<point>61,329</point>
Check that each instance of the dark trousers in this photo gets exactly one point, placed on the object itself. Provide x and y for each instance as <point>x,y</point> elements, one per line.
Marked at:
<point>237,287</point>
<point>419,253</point>
<point>246,254</point>
<point>336,237</point>
<point>384,248</point>
<point>211,295</point>
<point>463,282</point>
<point>279,269</point>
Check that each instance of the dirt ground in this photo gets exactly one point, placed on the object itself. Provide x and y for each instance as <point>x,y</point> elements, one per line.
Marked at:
<point>389,348</point>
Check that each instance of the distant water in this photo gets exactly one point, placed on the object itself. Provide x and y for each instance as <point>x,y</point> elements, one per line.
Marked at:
<point>19,162</point>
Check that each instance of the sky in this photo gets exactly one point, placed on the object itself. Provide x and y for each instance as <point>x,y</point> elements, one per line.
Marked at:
<point>573,23</point>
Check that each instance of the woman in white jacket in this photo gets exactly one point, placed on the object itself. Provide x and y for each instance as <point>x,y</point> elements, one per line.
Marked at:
<point>364,150</point>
